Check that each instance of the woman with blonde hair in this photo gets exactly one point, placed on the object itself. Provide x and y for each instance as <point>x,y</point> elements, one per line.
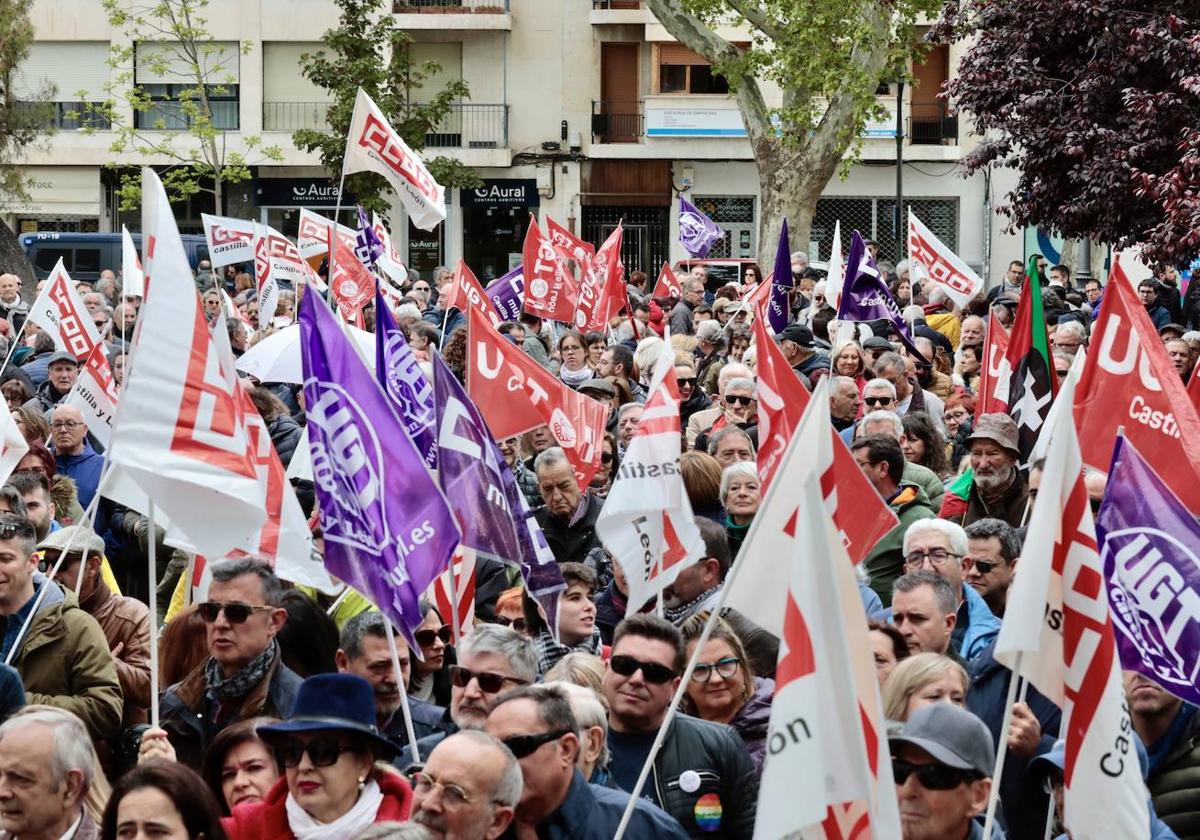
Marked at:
<point>701,475</point>
<point>579,668</point>
<point>920,680</point>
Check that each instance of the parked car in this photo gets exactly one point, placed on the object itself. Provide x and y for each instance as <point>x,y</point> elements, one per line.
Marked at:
<point>85,255</point>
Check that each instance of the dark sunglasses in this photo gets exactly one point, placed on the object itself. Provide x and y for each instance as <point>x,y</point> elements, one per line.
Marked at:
<point>984,566</point>
<point>489,682</point>
<point>526,745</point>
<point>652,672</point>
<point>931,776</point>
<point>426,637</point>
<point>740,400</point>
<point>689,382</point>
<point>323,751</point>
<point>235,611</point>
<point>517,624</point>
<point>877,400</point>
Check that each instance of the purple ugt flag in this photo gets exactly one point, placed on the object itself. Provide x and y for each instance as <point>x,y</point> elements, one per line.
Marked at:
<point>866,298</point>
<point>697,232</point>
<point>507,294</point>
<point>1150,548</point>
<point>778,310</point>
<point>368,247</point>
<point>388,529</point>
<point>403,381</point>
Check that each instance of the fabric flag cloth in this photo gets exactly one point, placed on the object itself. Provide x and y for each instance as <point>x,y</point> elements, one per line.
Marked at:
<point>697,232</point>
<point>388,529</point>
<point>466,292</point>
<point>389,261</point>
<point>1193,387</point>
<point>601,294</point>
<point>940,265</point>
<point>1150,546</point>
<point>507,294</point>
<point>229,240</point>
<point>570,244</point>
<point>469,471</point>
<point>835,273</point>
<point>782,401</point>
<point>264,279</point>
<point>516,394</point>
<point>58,309</point>
<point>551,290</point>
<point>351,284</point>
<point>312,235</point>
<point>994,371</point>
<point>667,285</point>
<point>96,396</point>
<point>180,429</point>
<point>646,523</point>
<point>13,445</point>
<point>779,310</point>
<point>368,247</point>
<point>1129,381</point>
<point>405,383</point>
<point>866,298</point>
<point>1032,383</point>
<point>372,145</point>
<point>1058,634</point>
<point>133,281</point>
<point>460,575</point>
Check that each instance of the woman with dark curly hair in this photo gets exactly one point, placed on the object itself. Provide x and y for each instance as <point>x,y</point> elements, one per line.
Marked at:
<point>924,444</point>
<point>454,354</point>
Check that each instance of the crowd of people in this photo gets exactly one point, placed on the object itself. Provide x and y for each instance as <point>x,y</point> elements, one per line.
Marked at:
<point>282,714</point>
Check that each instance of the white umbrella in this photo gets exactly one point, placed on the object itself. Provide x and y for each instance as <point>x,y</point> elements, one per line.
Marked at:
<point>277,357</point>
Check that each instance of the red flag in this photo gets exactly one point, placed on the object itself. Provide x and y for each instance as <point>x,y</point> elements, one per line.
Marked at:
<point>861,516</point>
<point>467,293</point>
<point>497,370</point>
<point>994,371</point>
<point>596,293</point>
<point>569,243</point>
<point>351,283</point>
<point>1128,380</point>
<point>667,285</point>
<point>1193,387</point>
<point>551,291</point>
<point>462,568</point>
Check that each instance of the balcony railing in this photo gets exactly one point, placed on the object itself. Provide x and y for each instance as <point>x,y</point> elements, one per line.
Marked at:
<point>167,115</point>
<point>616,4</point>
<point>932,125</point>
<point>66,116</point>
<point>449,6</point>
<point>618,121</point>
<point>471,126</point>
<point>289,116</point>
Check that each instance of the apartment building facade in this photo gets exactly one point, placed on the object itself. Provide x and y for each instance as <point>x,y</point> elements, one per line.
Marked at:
<point>586,110</point>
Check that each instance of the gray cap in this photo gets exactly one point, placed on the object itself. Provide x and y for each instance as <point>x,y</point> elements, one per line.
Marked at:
<point>62,356</point>
<point>76,537</point>
<point>878,342</point>
<point>597,386</point>
<point>952,736</point>
<point>1000,429</point>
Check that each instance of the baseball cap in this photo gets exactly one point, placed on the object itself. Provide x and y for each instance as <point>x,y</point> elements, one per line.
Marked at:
<point>1171,328</point>
<point>797,333</point>
<point>952,736</point>
<point>62,356</point>
<point>999,428</point>
<point>76,537</point>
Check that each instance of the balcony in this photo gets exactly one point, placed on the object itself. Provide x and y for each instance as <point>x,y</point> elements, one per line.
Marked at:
<point>618,121</point>
<point>290,116</point>
<point>65,116</point>
<point>471,126</point>
<point>453,14</point>
<point>618,12</point>
<point>932,125</point>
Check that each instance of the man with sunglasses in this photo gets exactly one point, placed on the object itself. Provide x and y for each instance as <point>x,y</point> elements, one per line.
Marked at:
<point>942,763</point>
<point>538,727</point>
<point>569,513</point>
<point>704,420</point>
<point>244,676</point>
<point>993,547</point>
<point>702,775</point>
<point>877,395</point>
<point>741,410</point>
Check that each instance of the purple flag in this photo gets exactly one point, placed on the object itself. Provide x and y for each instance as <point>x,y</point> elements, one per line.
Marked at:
<point>400,375</point>
<point>866,298</point>
<point>778,309</point>
<point>1150,547</point>
<point>367,245</point>
<point>507,294</point>
<point>697,232</point>
<point>388,530</point>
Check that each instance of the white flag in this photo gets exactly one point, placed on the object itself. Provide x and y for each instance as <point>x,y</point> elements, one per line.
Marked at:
<point>1058,634</point>
<point>180,432</point>
<point>646,522</point>
<point>133,282</point>
<point>59,310</point>
<point>462,568</point>
<point>374,146</point>
<point>230,240</point>
<point>264,279</point>
<point>12,443</point>
<point>96,396</point>
<point>932,260</point>
<point>389,262</point>
<point>834,274</point>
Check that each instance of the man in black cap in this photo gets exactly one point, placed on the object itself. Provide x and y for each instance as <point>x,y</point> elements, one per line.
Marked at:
<point>799,349</point>
<point>62,371</point>
<point>942,764</point>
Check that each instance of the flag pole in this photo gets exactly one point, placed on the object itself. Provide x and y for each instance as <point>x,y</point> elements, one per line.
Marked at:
<point>337,602</point>
<point>453,591</point>
<point>153,569</point>
<point>1002,748</point>
<point>404,709</point>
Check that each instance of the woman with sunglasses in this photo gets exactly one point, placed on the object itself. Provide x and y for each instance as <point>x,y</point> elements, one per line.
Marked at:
<point>602,481</point>
<point>723,688</point>
<point>741,494</point>
<point>510,609</point>
<point>430,679</point>
<point>332,788</point>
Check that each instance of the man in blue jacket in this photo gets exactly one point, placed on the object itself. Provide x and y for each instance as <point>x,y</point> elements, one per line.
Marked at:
<point>74,455</point>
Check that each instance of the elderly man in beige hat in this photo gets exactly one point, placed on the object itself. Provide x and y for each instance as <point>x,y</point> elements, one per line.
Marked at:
<point>1000,490</point>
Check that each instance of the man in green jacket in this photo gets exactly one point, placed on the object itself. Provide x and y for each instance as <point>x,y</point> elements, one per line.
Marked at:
<point>62,657</point>
<point>881,459</point>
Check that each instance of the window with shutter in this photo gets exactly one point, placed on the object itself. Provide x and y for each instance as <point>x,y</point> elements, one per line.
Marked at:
<point>63,71</point>
<point>682,71</point>
<point>170,78</point>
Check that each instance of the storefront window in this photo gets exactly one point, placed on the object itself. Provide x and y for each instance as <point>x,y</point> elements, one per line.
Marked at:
<point>492,246</point>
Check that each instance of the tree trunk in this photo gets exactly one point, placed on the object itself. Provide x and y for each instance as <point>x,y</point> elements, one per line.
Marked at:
<point>14,261</point>
<point>787,190</point>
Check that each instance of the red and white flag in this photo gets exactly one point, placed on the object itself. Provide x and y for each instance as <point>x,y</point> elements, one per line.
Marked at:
<point>995,371</point>
<point>466,292</point>
<point>389,262</point>
<point>835,274</point>
<point>133,282</point>
<point>646,523</point>
<point>1058,634</point>
<point>95,394</point>
<point>230,240</point>
<point>374,146</point>
<point>667,285</point>
<point>516,394</point>
<point>12,443</point>
<point>312,235</point>
<point>569,243</point>
<point>59,310</point>
<point>551,290</point>
<point>1193,387</point>
<point>351,283</point>
<point>264,279</point>
<point>941,266</point>
<point>864,518</point>
<point>596,292</point>
<point>462,568</point>
<point>180,431</point>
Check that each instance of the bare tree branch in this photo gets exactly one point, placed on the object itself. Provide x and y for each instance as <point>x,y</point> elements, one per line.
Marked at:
<point>758,18</point>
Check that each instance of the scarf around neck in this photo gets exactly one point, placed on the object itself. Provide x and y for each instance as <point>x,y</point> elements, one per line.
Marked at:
<point>239,685</point>
<point>575,378</point>
<point>678,614</point>
<point>350,824</point>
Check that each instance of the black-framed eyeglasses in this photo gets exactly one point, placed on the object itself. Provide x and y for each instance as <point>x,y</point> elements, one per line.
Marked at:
<point>489,681</point>
<point>874,401</point>
<point>517,624</point>
<point>652,672</point>
<point>323,751</point>
<point>426,637</point>
<point>937,556</point>
<point>737,399</point>
<point>725,668</point>
<point>236,612</point>
<point>931,776</point>
<point>522,746</point>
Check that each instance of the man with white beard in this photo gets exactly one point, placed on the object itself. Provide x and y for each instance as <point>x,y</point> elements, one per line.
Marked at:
<point>999,490</point>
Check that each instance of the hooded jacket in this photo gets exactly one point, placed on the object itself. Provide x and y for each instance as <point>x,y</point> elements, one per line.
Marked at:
<point>885,563</point>
<point>753,719</point>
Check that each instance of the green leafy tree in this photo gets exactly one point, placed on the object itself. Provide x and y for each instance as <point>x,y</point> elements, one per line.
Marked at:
<point>827,57</point>
<point>24,118</point>
<point>368,50</point>
<point>169,38</point>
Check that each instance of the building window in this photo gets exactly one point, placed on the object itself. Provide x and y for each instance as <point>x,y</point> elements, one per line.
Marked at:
<point>735,215</point>
<point>169,112</point>
<point>874,218</point>
<point>171,81</point>
<point>682,71</point>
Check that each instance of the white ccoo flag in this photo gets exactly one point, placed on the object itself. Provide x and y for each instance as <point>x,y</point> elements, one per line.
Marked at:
<point>59,310</point>
<point>133,282</point>
<point>941,266</point>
